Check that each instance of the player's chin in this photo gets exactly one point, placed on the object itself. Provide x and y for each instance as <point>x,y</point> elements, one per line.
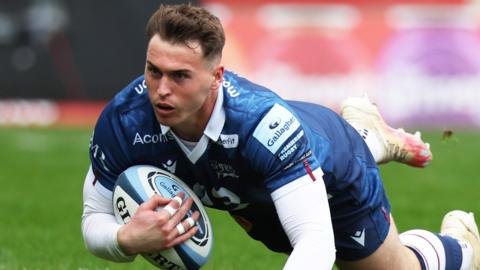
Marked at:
<point>170,121</point>
<point>166,121</point>
<point>167,118</point>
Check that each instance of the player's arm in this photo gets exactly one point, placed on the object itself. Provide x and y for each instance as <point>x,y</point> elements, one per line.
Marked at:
<point>279,148</point>
<point>99,227</point>
<point>303,209</point>
<point>102,235</point>
<point>148,231</point>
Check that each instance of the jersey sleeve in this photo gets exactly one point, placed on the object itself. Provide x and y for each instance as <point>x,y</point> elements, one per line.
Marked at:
<point>107,155</point>
<point>279,148</point>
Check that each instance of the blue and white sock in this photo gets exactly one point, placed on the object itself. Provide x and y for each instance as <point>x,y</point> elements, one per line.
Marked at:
<point>436,251</point>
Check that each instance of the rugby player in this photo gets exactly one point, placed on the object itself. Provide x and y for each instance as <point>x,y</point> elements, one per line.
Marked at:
<point>296,176</point>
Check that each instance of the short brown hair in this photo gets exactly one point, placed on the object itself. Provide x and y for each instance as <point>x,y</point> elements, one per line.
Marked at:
<point>185,23</point>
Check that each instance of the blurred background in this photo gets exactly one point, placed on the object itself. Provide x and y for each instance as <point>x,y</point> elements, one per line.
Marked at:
<point>62,60</point>
<point>419,60</point>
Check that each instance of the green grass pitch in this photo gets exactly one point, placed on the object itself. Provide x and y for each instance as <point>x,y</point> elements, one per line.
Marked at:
<point>41,178</point>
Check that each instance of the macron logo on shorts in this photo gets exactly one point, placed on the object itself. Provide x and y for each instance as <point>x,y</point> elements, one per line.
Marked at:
<point>359,237</point>
<point>276,127</point>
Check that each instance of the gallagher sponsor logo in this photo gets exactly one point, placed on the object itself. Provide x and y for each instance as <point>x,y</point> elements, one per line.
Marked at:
<point>275,123</point>
<point>276,127</point>
<point>279,132</point>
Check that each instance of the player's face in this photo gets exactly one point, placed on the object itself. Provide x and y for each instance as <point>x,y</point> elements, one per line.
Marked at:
<point>182,86</point>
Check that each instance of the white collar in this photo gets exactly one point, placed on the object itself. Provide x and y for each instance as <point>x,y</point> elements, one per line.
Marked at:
<point>212,130</point>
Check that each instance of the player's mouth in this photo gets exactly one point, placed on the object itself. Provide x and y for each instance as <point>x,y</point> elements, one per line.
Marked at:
<point>163,109</point>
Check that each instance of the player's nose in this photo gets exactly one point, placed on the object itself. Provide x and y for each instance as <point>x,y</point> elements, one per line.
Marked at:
<point>163,87</point>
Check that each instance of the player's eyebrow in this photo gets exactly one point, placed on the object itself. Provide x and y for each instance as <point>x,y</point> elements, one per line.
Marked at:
<point>150,64</point>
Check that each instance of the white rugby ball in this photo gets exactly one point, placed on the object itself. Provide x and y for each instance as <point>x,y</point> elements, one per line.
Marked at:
<point>135,186</point>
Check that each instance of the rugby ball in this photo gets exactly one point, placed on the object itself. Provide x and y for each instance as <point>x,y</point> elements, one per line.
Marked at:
<point>135,186</point>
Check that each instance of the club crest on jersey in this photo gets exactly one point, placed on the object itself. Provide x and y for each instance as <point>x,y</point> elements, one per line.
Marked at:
<point>276,127</point>
<point>223,170</point>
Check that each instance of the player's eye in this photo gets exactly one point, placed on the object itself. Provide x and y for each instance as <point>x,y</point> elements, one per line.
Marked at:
<point>153,71</point>
<point>180,76</point>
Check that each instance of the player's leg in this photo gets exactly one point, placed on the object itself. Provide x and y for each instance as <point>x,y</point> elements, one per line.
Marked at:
<point>457,247</point>
<point>385,143</point>
<point>366,236</point>
<point>390,255</point>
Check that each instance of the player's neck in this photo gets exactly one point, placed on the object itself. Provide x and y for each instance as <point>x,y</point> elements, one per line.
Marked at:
<point>188,135</point>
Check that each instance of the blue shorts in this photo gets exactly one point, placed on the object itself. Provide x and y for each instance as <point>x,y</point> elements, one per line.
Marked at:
<point>360,225</point>
<point>360,216</point>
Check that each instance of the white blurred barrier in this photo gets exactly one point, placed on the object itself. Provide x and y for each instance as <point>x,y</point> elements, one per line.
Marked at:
<point>28,112</point>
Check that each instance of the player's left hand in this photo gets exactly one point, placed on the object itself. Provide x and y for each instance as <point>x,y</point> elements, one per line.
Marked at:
<point>152,230</point>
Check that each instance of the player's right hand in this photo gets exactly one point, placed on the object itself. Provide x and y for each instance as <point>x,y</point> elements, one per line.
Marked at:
<point>151,230</point>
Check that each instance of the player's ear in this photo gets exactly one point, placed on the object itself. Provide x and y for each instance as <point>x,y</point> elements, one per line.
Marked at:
<point>217,76</point>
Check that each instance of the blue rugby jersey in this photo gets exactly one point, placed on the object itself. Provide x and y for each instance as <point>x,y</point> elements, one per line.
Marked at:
<point>257,143</point>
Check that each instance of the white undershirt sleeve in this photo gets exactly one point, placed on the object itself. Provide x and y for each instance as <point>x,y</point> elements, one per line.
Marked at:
<point>303,209</point>
<point>99,227</point>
